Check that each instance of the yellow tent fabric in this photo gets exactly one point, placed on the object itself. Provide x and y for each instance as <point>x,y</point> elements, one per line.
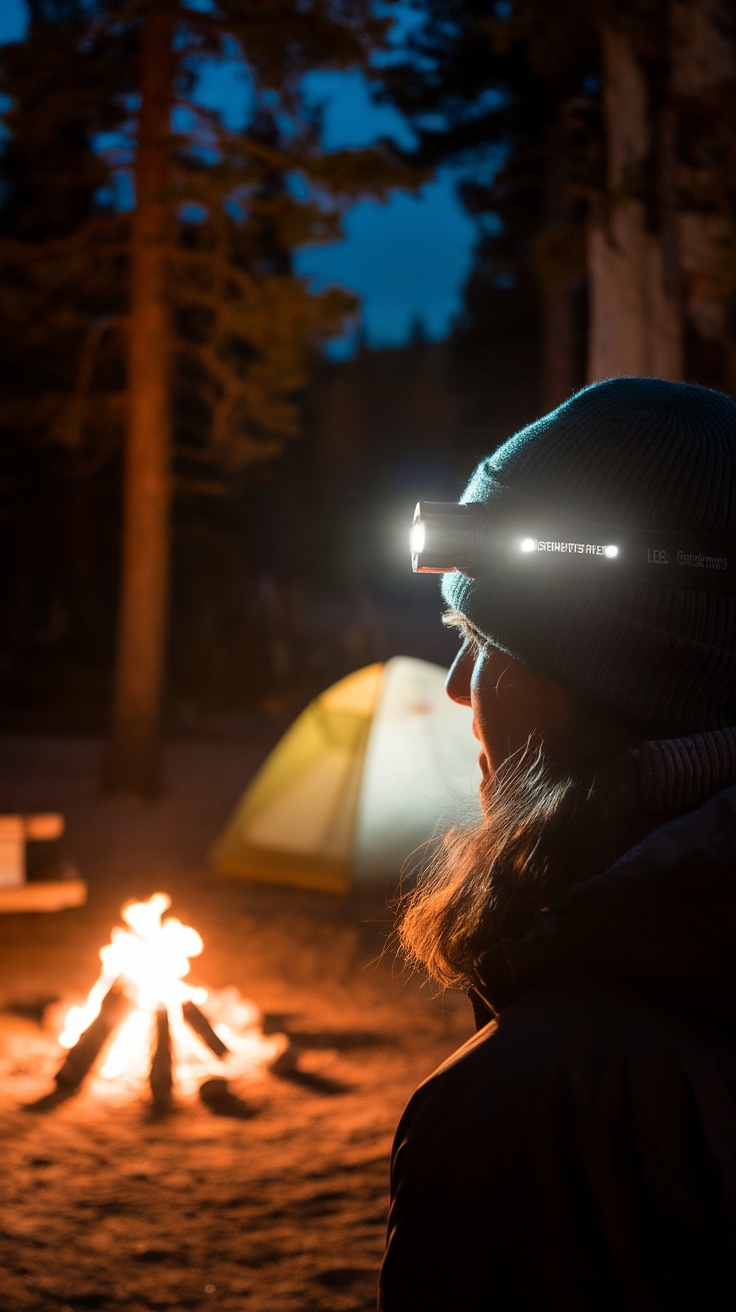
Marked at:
<point>360,778</point>
<point>294,824</point>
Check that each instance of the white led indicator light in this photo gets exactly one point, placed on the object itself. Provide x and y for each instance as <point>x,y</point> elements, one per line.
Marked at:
<point>528,544</point>
<point>611,552</point>
<point>418,535</point>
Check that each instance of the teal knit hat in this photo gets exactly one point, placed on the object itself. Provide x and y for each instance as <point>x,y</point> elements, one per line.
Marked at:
<point>635,453</point>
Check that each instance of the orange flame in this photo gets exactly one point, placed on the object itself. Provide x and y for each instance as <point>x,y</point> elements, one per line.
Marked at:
<point>150,960</point>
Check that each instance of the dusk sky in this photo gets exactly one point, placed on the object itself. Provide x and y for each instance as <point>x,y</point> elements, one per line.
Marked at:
<point>407,258</point>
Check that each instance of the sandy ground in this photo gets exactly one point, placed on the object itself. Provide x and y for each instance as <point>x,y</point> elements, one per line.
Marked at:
<point>106,1206</point>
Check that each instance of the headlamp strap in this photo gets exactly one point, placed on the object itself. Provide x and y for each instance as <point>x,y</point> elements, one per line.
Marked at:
<point>545,544</point>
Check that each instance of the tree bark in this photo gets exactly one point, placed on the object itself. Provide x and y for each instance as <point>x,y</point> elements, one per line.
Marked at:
<point>704,80</point>
<point>635,313</point>
<point>134,753</point>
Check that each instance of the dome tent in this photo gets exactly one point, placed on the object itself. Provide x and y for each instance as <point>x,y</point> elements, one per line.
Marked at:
<point>366,774</point>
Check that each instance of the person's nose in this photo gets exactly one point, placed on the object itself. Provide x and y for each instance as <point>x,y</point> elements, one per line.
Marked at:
<point>457,683</point>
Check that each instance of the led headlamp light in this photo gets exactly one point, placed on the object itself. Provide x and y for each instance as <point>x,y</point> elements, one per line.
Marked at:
<point>528,541</point>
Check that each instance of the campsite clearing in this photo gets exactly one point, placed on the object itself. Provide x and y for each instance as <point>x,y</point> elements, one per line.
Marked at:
<point>107,1207</point>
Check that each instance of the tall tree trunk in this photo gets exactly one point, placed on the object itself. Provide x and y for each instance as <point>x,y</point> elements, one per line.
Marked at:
<point>134,752</point>
<point>704,81</point>
<point>635,314</point>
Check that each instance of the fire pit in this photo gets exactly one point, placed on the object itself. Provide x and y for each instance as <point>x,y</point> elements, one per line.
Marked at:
<point>143,1021</point>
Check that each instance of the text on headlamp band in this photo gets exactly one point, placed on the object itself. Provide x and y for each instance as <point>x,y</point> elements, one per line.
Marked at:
<point>570,548</point>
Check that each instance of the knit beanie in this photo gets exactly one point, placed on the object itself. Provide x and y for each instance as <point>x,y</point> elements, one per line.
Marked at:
<point>634,453</point>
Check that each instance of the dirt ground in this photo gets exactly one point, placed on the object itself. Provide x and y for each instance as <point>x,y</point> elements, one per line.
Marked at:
<point>105,1205</point>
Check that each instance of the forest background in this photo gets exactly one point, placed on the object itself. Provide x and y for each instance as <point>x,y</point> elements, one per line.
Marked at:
<point>152,302</point>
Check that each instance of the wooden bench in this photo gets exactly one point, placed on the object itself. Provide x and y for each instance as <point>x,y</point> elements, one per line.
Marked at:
<point>16,894</point>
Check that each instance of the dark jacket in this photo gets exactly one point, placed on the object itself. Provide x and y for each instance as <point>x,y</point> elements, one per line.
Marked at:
<point>579,1153</point>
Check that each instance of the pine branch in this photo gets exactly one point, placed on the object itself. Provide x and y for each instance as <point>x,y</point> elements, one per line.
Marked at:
<point>217,265</point>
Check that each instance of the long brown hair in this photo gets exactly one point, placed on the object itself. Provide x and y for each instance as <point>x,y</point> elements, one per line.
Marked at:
<point>547,824</point>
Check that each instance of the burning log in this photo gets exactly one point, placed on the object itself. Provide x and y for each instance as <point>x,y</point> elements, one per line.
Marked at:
<point>161,1077</point>
<point>116,1005</point>
<point>219,1098</point>
<point>148,961</point>
<point>201,1026</point>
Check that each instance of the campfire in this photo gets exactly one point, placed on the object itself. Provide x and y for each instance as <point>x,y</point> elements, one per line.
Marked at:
<point>143,1020</point>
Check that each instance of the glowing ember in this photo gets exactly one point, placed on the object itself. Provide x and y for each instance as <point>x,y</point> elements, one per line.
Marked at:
<point>149,962</point>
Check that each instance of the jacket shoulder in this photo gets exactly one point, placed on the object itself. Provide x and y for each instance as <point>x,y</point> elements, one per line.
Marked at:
<point>573,1038</point>
<point>557,1138</point>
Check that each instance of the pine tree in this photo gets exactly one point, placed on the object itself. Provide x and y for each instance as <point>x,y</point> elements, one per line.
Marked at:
<point>510,98</point>
<point>202,336</point>
<point>616,121</point>
<point>60,343</point>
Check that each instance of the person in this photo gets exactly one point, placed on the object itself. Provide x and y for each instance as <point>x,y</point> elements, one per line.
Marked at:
<point>579,1152</point>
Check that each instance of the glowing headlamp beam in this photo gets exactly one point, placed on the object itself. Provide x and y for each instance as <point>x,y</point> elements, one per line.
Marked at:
<point>417,538</point>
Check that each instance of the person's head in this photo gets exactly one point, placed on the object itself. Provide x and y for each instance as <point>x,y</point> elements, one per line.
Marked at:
<point>562,676</point>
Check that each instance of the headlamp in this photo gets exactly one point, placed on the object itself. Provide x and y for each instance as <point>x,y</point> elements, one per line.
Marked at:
<point>525,540</point>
